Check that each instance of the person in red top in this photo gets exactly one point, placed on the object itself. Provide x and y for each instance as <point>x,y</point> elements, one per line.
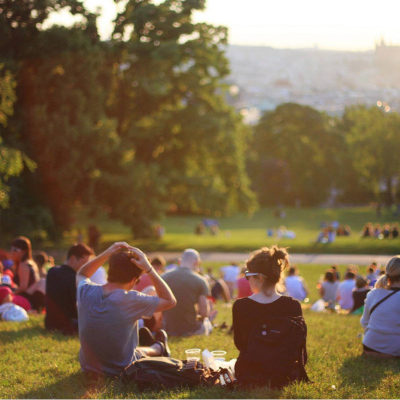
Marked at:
<point>7,295</point>
<point>159,264</point>
<point>26,273</point>
<point>243,285</point>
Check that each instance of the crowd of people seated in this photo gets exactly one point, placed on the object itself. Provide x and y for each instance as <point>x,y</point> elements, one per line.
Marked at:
<point>386,231</point>
<point>128,313</point>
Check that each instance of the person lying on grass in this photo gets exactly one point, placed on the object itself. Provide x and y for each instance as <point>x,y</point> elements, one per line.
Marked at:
<point>108,314</point>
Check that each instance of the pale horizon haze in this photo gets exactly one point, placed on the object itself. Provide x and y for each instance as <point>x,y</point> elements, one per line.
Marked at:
<point>352,25</point>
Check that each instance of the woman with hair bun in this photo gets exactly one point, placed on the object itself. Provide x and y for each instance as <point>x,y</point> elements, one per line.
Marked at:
<point>265,274</point>
<point>381,317</point>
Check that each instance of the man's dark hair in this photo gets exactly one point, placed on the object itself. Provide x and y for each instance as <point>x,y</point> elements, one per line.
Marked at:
<point>79,250</point>
<point>350,275</point>
<point>329,276</point>
<point>158,262</point>
<point>122,269</point>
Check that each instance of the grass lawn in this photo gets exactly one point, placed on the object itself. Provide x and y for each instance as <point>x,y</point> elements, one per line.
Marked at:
<point>37,364</point>
<point>243,233</point>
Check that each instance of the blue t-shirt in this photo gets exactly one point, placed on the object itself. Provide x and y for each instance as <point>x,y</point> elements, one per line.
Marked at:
<point>108,329</point>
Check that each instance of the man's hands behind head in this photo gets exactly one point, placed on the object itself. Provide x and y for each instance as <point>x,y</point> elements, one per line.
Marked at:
<point>139,258</point>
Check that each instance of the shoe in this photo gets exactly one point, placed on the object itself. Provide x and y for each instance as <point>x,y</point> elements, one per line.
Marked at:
<point>223,326</point>
<point>162,337</point>
<point>145,337</point>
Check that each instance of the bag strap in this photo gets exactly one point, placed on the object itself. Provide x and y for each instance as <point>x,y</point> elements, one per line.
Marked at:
<point>380,302</point>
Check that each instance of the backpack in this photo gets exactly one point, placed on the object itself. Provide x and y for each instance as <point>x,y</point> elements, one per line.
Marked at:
<point>275,354</point>
<point>169,373</point>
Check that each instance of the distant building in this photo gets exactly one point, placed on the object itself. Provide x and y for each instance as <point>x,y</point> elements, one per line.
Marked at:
<point>387,52</point>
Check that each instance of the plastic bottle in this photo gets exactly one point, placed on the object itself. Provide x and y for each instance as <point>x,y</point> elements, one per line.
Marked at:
<point>208,359</point>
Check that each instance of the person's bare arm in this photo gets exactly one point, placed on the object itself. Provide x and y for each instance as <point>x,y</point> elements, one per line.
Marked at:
<point>321,291</point>
<point>164,293</point>
<point>23,273</point>
<point>203,306</point>
<point>92,266</point>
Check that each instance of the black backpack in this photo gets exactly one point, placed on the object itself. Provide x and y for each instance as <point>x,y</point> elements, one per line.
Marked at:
<point>275,354</point>
<point>169,373</point>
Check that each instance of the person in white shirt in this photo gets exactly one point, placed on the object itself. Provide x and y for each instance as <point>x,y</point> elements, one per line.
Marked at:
<point>296,287</point>
<point>100,276</point>
<point>230,274</point>
<point>381,317</point>
<point>345,291</point>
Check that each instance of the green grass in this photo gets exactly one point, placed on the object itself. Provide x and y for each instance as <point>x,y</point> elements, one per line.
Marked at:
<point>37,364</point>
<point>244,233</point>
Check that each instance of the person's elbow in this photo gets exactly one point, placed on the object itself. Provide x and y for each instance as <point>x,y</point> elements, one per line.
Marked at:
<point>173,302</point>
<point>166,304</point>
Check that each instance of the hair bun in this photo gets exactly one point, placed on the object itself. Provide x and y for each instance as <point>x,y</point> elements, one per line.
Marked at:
<point>279,254</point>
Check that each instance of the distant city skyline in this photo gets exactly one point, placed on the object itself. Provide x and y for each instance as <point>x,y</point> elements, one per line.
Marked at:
<point>333,25</point>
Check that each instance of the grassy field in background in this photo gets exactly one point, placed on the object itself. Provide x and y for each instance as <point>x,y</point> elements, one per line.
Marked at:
<point>243,233</point>
<point>37,364</point>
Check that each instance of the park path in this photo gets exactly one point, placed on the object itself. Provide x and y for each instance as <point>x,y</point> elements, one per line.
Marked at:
<point>359,259</point>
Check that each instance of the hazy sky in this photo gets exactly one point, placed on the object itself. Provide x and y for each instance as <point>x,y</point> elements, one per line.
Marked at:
<point>329,24</point>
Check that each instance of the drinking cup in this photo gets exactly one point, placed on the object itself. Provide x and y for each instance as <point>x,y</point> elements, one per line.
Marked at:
<point>219,355</point>
<point>193,354</point>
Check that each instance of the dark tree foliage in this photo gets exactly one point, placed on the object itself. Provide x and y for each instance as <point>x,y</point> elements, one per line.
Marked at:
<point>373,143</point>
<point>135,126</point>
<point>297,155</point>
<point>187,144</point>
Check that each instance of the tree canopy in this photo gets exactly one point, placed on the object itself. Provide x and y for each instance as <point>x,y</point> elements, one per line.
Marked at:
<point>296,151</point>
<point>136,126</point>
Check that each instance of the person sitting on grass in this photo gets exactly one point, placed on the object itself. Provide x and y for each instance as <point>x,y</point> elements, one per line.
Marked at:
<point>264,273</point>
<point>296,286</point>
<point>7,295</point>
<point>344,294</point>
<point>108,315</point>
<point>359,295</point>
<point>159,264</point>
<point>243,285</point>
<point>381,317</point>
<point>61,311</point>
<point>191,291</point>
<point>328,289</point>
<point>26,273</point>
<point>41,259</point>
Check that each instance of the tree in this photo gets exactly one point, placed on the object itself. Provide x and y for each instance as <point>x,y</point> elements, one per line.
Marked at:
<point>12,160</point>
<point>59,113</point>
<point>171,111</point>
<point>134,126</point>
<point>296,153</point>
<point>373,140</point>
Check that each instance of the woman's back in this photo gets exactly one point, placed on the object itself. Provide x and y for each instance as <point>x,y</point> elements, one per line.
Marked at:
<point>247,312</point>
<point>33,273</point>
<point>330,290</point>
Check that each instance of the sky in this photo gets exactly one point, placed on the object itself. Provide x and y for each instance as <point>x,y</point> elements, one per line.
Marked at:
<point>353,25</point>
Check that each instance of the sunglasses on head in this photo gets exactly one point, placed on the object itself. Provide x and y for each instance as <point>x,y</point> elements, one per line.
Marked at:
<point>15,249</point>
<point>247,274</point>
